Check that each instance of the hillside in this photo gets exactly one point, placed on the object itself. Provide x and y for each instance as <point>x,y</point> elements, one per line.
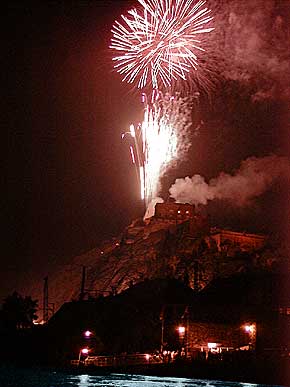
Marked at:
<point>168,245</point>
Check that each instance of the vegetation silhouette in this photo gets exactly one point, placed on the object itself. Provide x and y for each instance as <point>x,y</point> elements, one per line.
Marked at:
<point>18,312</point>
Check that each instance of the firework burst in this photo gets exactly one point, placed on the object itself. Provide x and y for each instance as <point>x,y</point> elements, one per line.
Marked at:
<point>160,43</point>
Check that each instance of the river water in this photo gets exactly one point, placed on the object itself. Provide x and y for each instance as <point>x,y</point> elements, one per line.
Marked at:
<point>11,377</point>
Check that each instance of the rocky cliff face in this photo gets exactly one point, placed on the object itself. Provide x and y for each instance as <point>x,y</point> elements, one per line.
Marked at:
<point>159,248</point>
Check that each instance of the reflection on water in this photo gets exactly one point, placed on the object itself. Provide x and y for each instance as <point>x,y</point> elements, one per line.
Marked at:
<point>84,381</point>
<point>11,377</point>
<point>121,380</point>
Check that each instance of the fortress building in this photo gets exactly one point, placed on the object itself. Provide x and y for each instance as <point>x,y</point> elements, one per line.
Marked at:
<point>178,213</point>
<point>245,241</point>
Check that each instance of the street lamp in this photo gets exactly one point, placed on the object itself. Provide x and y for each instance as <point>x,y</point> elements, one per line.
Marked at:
<point>147,357</point>
<point>250,329</point>
<point>83,351</point>
<point>181,331</point>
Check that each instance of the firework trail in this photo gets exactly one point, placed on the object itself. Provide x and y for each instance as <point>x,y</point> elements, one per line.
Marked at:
<point>161,42</point>
<point>156,46</point>
<point>160,140</point>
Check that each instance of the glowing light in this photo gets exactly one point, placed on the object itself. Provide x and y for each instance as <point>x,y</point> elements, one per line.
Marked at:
<point>142,183</point>
<point>88,333</point>
<point>160,140</point>
<point>160,42</point>
<point>249,328</point>
<point>132,154</point>
<point>212,345</point>
<point>165,133</point>
<point>132,130</point>
<point>84,381</point>
<point>181,330</point>
<point>85,351</point>
<point>147,356</point>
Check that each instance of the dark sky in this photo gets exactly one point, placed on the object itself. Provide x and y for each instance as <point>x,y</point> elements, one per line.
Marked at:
<point>68,179</point>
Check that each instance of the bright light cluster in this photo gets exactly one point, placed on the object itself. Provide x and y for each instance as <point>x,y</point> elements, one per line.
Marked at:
<point>160,42</point>
<point>159,140</point>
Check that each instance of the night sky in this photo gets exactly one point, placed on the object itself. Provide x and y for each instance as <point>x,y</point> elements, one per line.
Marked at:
<point>68,177</point>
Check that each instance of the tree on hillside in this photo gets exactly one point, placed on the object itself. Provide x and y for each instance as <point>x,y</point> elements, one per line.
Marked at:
<point>18,312</point>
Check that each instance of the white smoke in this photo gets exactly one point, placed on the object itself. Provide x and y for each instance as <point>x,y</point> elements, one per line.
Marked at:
<point>254,177</point>
<point>252,45</point>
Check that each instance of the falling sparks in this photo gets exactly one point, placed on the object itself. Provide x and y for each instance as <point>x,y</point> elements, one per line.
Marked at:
<point>160,43</point>
<point>132,154</point>
<point>156,46</point>
<point>160,139</point>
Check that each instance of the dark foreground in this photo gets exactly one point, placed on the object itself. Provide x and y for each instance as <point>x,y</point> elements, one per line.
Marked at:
<point>38,377</point>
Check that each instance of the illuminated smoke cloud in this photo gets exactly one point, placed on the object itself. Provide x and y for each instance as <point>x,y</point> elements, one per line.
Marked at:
<point>253,178</point>
<point>252,45</point>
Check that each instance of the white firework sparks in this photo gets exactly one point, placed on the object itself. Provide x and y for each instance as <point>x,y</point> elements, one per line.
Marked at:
<point>161,139</point>
<point>160,42</point>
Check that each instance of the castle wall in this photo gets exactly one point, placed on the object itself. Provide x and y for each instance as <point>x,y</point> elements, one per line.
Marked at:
<point>244,240</point>
<point>174,211</point>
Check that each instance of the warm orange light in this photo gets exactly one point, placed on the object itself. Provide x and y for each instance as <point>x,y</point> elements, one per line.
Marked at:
<point>249,328</point>
<point>147,356</point>
<point>181,330</point>
<point>88,333</point>
<point>211,345</point>
<point>85,351</point>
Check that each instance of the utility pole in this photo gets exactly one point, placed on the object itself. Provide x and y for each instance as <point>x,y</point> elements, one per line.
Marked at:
<point>196,276</point>
<point>187,332</point>
<point>161,317</point>
<point>83,283</point>
<point>45,300</point>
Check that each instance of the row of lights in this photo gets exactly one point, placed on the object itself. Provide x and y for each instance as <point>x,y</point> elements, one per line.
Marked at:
<point>251,329</point>
<point>248,328</point>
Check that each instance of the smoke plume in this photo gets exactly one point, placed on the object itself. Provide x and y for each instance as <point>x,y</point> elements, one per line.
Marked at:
<point>254,177</point>
<point>252,45</point>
